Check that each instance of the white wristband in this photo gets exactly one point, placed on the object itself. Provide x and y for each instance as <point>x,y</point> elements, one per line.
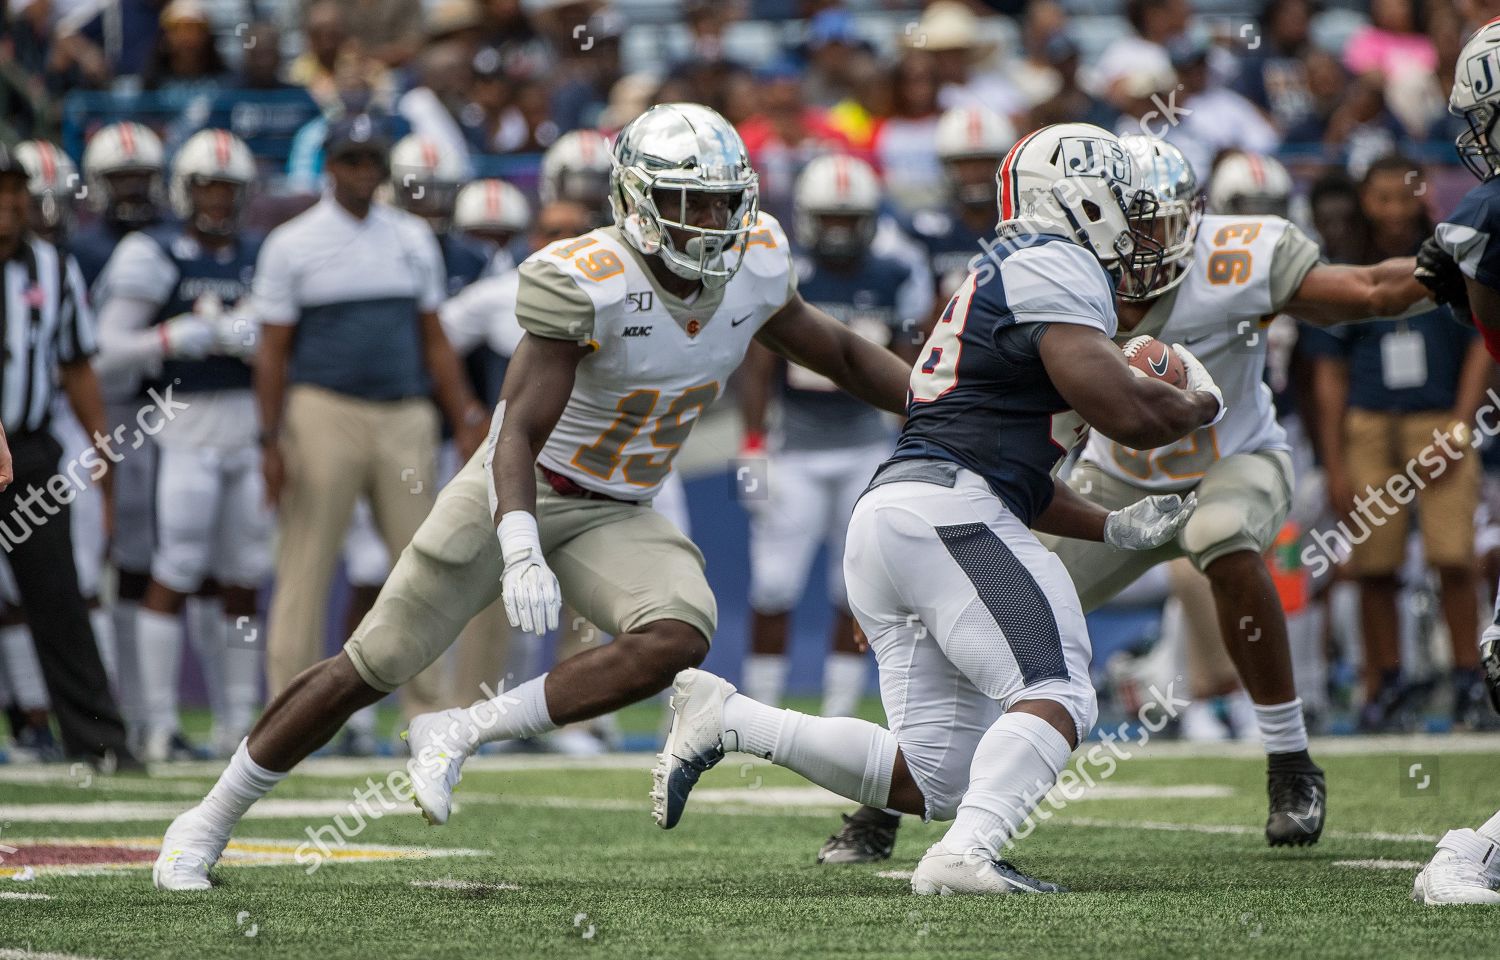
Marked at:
<point>518,536</point>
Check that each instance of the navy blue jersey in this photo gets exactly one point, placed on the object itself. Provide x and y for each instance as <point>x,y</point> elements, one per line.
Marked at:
<point>464,261</point>
<point>816,414</point>
<point>980,395</point>
<point>1467,233</point>
<point>93,246</point>
<point>226,273</point>
<point>950,246</point>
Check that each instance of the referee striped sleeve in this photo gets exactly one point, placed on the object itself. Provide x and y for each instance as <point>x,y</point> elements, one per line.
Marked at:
<point>77,331</point>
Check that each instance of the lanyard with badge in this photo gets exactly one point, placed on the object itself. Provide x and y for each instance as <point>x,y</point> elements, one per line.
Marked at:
<point>1403,358</point>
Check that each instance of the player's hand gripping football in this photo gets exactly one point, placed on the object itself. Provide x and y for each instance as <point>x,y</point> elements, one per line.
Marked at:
<point>1149,523</point>
<point>1198,378</point>
<point>1439,272</point>
<point>533,598</point>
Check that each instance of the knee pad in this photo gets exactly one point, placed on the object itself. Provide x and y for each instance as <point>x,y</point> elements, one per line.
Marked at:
<point>773,593</point>
<point>1216,529</point>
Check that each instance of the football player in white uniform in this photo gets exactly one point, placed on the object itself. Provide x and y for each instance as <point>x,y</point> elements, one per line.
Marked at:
<point>1462,266</point>
<point>825,445</point>
<point>632,331</point>
<point>983,650</point>
<point>169,319</point>
<point>1220,279</point>
<point>493,213</point>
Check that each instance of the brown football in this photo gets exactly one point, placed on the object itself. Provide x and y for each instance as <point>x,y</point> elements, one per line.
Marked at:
<point>1149,357</point>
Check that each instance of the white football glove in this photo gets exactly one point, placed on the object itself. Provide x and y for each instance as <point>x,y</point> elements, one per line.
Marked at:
<point>1199,379</point>
<point>188,336</point>
<point>1149,523</point>
<point>533,598</point>
<point>238,334</point>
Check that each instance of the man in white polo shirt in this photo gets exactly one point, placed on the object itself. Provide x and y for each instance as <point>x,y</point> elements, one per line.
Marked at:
<point>351,350</point>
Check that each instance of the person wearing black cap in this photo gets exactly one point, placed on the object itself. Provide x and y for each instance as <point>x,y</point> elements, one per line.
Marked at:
<point>350,351</point>
<point>48,330</point>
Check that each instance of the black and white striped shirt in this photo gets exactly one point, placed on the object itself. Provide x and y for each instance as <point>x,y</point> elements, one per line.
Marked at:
<point>45,321</point>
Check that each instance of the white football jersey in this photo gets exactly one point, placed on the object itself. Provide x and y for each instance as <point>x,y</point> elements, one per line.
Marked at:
<point>657,363</point>
<point>1244,271</point>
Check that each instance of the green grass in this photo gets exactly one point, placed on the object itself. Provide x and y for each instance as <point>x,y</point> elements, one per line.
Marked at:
<point>743,884</point>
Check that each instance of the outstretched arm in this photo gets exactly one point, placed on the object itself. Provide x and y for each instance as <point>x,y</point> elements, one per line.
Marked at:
<point>1336,293</point>
<point>804,334</point>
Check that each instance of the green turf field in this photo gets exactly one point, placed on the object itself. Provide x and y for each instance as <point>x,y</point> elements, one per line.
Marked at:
<point>544,858</point>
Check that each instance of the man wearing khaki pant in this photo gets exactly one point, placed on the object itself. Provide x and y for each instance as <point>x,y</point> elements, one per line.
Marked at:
<point>350,352</point>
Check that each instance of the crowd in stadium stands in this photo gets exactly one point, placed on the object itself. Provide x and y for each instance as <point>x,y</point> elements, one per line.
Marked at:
<point>1350,97</point>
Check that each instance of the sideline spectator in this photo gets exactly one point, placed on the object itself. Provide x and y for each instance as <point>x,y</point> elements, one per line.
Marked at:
<point>186,58</point>
<point>388,30</point>
<point>904,143</point>
<point>1396,405</point>
<point>1155,23</point>
<point>785,135</point>
<point>1273,73</point>
<point>1391,43</point>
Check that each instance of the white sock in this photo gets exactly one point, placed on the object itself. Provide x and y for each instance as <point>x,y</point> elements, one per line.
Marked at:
<point>765,678</point>
<point>27,687</point>
<point>241,784</point>
<point>127,679</point>
<point>843,684</point>
<point>512,715</point>
<point>241,681</point>
<point>1016,763</point>
<point>1282,728</point>
<point>103,624</point>
<point>1491,829</point>
<point>158,638</point>
<point>206,632</point>
<point>853,758</point>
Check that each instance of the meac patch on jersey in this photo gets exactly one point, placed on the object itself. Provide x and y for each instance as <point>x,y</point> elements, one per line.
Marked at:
<point>657,363</point>
<point>1243,273</point>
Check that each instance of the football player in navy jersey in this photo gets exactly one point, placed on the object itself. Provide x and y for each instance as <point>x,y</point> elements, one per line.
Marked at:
<point>982,646</point>
<point>1461,265</point>
<point>825,444</point>
<point>971,141</point>
<point>168,320</point>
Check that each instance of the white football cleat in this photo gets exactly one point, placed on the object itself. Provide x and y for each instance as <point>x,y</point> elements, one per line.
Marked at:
<point>189,850</point>
<point>694,744</point>
<point>438,751</point>
<point>1465,869</point>
<point>945,873</point>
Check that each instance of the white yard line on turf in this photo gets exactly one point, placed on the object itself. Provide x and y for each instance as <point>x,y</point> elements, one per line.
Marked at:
<point>1239,829</point>
<point>22,953</point>
<point>470,886</point>
<point>12,895</point>
<point>1379,864</point>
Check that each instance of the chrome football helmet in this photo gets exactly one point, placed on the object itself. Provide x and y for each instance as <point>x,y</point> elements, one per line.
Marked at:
<point>668,153</point>
<point>1165,174</point>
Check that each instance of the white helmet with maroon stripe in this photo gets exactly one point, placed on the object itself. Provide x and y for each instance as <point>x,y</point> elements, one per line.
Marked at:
<point>425,178</point>
<point>492,209</point>
<point>1250,184</point>
<point>576,168</point>
<point>1476,98</point>
<point>1078,181</point>
<point>971,141</point>
<point>122,166</point>
<point>211,156</point>
<point>837,198</point>
<point>52,180</point>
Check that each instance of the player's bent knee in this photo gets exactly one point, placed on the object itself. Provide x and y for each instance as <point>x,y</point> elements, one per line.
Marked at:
<point>658,651</point>
<point>1217,530</point>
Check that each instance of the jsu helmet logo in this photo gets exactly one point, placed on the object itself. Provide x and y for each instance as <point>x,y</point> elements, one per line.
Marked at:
<point>1483,72</point>
<point>1092,157</point>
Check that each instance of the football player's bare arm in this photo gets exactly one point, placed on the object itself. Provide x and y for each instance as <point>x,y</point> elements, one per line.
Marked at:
<point>1337,293</point>
<point>273,351</point>
<point>806,335</point>
<point>538,383</point>
<point>1071,515</point>
<point>1091,374</point>
<point>757,374</point>
<point>450,386</point>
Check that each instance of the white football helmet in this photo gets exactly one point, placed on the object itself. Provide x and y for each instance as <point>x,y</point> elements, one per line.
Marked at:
<point>1250,184</point>
<point>576,168</point>
<point>1475,97</point>
<point>211,155</point>
<point>425,179</point>
<point>122,167</point>
<point>664,159</point>
<point>1077,180</point>
<point>972,133</point>
<point>1169,178</point>
<point>837,198</point>
<point>491,209</point>
<point>53,182</point>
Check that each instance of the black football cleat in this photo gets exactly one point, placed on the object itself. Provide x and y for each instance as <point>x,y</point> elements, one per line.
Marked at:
<point>868,836</point>
<point>1299,799</point>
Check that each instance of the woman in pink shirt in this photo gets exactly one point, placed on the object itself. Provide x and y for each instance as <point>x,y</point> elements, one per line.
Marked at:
<point>1392,42</point>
